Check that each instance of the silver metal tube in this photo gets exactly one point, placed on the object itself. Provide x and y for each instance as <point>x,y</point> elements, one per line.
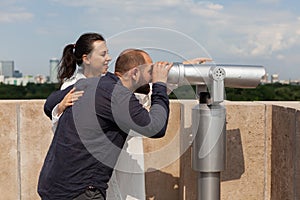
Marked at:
<point>209,148</point>
<point>236,76</point>
<point>209,186</point>
<point>209,145</point>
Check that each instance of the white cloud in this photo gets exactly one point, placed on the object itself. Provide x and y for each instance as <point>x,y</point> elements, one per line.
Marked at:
<point>6,3</point>
<point>247,31</point>
<point>268,1</point>
<point>244,27</point>
<point>127,3</point>
<point>216,7</point>
<point>270,39</point>
<point>11,12</point>
<point>281,57</point>
<point>8,17</point>
<point>252,31</point>
<point>135,6</point>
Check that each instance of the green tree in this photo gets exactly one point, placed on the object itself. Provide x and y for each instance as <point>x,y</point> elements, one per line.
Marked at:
<point>30,91</point>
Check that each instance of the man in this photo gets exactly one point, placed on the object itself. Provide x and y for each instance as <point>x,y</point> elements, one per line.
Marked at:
<point>91,133</point>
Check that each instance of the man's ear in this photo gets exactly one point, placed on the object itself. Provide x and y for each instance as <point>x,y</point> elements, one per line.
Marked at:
<point>86,59</point>
<point>135,73</point>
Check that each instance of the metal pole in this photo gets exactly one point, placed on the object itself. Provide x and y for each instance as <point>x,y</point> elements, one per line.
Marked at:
<point>209,147</point>
<point>209,185</point>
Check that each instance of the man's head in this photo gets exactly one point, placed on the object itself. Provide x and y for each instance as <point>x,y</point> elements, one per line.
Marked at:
<point>134,68</point>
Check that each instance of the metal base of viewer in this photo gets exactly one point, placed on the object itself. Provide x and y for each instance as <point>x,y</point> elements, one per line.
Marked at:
<point>209,185</point>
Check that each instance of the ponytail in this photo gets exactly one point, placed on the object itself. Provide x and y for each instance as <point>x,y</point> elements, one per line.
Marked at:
<point>67,65</point>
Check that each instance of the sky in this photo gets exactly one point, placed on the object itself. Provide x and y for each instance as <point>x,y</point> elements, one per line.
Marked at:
<point>252,32</point>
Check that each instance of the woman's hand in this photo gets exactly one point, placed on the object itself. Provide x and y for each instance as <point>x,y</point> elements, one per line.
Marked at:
<point>197,61</point>
<point>69,100</point>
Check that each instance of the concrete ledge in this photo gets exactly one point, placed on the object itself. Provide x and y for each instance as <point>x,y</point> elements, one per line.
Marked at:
<point>263,160</point>
<point>9,154</point>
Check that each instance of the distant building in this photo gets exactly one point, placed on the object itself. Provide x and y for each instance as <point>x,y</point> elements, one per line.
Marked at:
<point>285,82</point>
<point>1,79</point>
<point>17,74</point>
<point>19,81</point>
<point>265,78</point>
<point>295,82</point>
<point>274,78</point>
<point>53,70</point>
<point>7,68</point>
<point>40,79</point>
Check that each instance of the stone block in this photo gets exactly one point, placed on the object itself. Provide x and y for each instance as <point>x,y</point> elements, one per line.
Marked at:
<point>244,177</point>
<point>35,138</point>
<point>297,157</point>
<point>9,152</point>
<point>162,160</point>
<point>283,155</point>
<point>188,177</point>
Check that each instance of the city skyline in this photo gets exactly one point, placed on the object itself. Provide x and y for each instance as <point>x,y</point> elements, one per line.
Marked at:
<point>259,32</point>
<point>10,75</point>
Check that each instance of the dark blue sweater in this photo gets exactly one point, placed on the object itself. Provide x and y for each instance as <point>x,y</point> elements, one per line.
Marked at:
<point>91,134</point>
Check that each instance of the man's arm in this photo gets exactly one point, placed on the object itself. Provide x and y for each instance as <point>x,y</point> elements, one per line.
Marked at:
<point>159,111</point>
<point>129,114</point>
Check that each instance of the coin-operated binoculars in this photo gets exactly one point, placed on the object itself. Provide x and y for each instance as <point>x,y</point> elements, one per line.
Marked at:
<point>209,116</point>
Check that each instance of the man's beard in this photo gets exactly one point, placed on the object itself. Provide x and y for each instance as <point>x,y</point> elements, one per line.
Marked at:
<point>142,84</point>
<point>144,89</point>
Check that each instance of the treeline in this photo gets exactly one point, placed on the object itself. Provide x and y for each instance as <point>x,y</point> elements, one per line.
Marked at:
<point>30,91</point>
<point>266,92</point>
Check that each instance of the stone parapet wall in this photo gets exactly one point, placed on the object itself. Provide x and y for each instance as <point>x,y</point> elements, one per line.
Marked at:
<point>263,160</point>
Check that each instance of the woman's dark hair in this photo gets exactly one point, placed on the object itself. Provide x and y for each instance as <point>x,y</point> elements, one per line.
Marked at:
<point>72,54</point>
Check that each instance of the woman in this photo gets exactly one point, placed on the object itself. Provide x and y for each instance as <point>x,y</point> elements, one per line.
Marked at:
<point>87,58</point>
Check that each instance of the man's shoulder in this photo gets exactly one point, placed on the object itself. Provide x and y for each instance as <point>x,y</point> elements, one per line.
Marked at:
<point>110,77</point>
<point>108,81</point>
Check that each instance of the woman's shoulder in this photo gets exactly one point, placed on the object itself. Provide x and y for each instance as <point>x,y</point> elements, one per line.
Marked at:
<point>72,80</point>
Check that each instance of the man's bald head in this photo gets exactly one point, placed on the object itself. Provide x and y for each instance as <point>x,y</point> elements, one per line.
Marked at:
<point>129,59</point>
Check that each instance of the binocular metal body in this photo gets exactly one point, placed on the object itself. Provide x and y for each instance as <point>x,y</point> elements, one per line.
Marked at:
<point>209,116</point>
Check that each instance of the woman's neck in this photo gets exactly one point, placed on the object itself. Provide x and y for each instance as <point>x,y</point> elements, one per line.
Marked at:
<point>90,73</point>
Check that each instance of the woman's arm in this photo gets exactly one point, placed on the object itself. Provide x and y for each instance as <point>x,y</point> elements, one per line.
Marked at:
<point>55,98</point>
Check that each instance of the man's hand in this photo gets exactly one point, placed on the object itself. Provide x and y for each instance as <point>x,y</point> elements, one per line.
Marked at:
<point>160,71</point>
<point>69,100</point>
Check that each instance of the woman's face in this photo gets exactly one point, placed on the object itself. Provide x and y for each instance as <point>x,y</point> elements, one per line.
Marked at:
<point>96,62</point>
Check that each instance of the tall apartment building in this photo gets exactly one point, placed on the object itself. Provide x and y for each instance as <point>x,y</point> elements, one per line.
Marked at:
<point>7,68</point>
<point>53,70</point>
